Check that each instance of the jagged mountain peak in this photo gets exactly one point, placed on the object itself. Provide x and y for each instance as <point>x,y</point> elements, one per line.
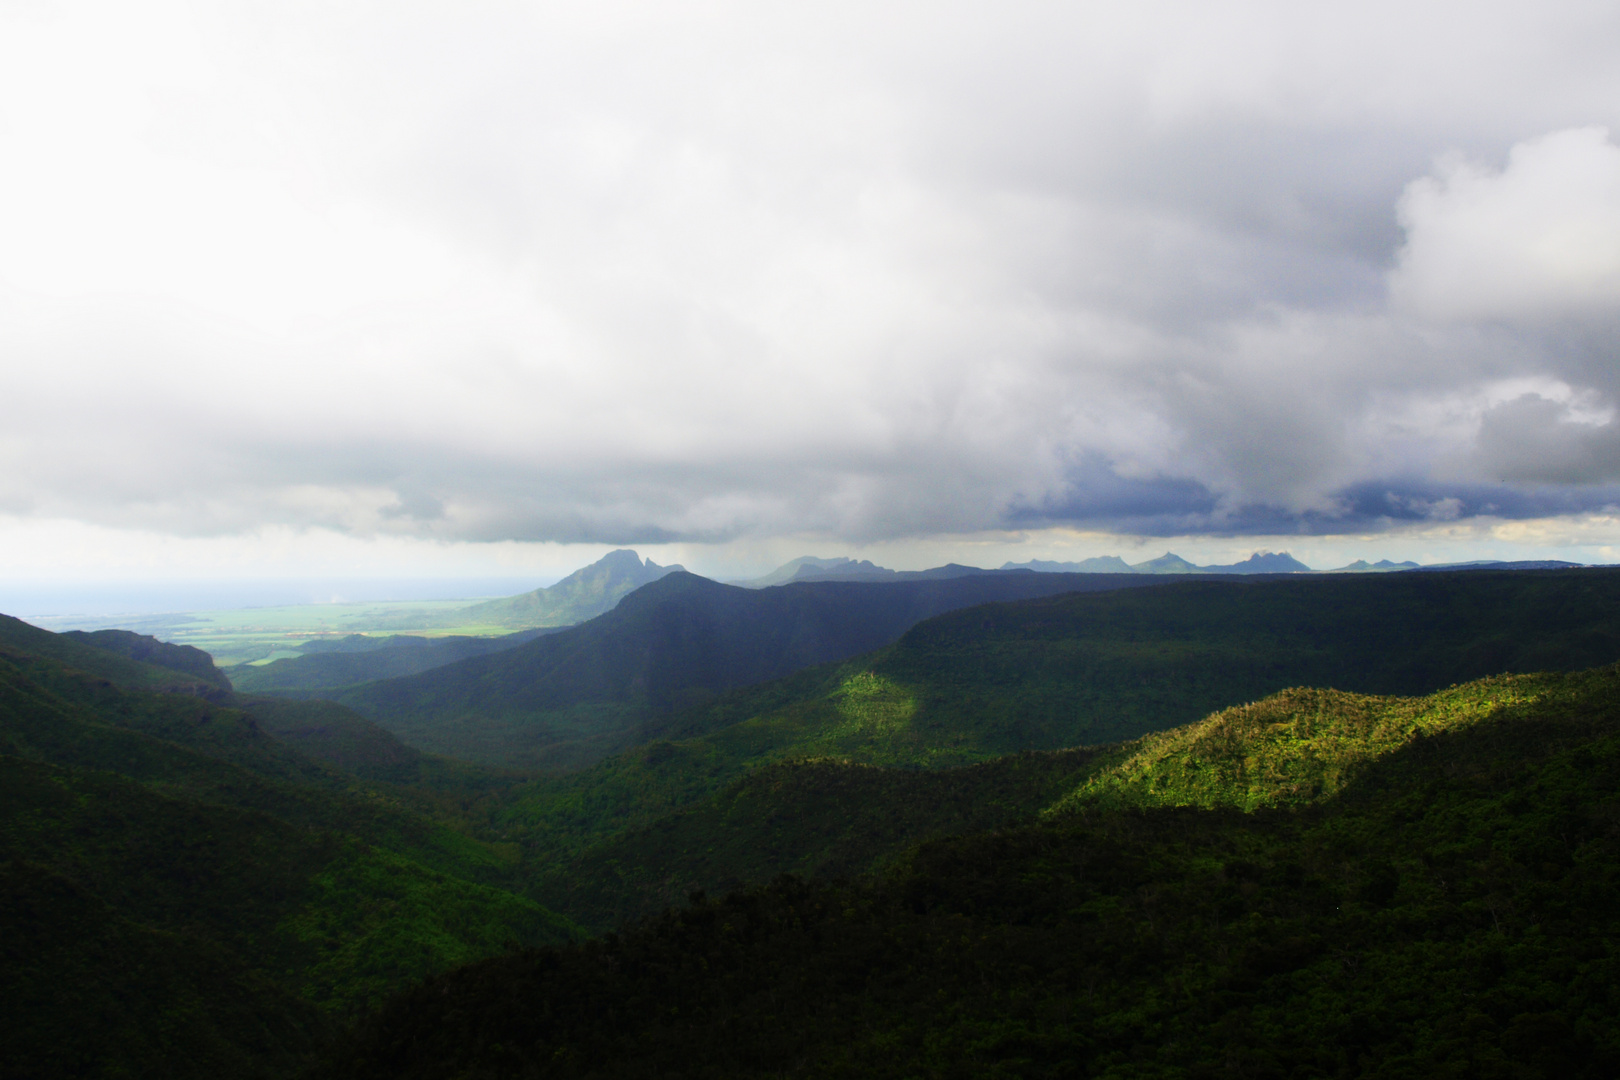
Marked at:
<point>584,594</point>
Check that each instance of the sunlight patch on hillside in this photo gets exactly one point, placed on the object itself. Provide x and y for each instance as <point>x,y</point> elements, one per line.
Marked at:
<point>871,704</point>
<point>1296,747</point>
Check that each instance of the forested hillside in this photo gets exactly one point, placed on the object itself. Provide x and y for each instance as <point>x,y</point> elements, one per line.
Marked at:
<point>571,698</point>
<point>219,901</point>
<point>1312,826</point>
<point>1446,911</point>
<point>365,660</point>
<point>1081,669</point>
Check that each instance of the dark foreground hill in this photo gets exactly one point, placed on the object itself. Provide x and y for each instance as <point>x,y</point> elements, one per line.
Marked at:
<point>133,661</point>
<point>819,818</point>
<point>1442,907</point>
<point>186,896</point>
<point>183,659</point>
<point>570,698</point>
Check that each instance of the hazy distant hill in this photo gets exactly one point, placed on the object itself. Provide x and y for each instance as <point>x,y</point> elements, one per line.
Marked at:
<point>1261,562</point>
<point>810,564</point>
<point>1102,564</point>
<point>810,568</point>
<point>569,698</point>
<point>582,595</point>
<point>1522,564</point>
<point>1362,566</point>
<point>845,570</point>
<point>1168,563</point>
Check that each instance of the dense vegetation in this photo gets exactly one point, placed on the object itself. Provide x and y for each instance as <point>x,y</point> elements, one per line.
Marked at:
<point>89,992</point>
<point>1089,668</point>
<point>149,650</point>
<point>203,895</point>
<point>1319,882</point>
<point>571,698</point>
<point>1448,911</point>
<point>111,655</point>
<point>818,818</point>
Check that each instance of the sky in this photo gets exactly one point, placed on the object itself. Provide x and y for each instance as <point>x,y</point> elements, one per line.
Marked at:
<point>483,290</point>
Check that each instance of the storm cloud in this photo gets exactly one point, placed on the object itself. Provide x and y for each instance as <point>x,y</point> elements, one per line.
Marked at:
<point>640,273</point>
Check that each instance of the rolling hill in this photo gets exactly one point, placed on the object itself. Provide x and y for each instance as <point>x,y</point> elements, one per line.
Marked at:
<point>570,698</point>
<point>1261,562</point>
<point>207,896</point>
<point>324,667</point>
<point>1085,669</point>
<point>1446,909</point>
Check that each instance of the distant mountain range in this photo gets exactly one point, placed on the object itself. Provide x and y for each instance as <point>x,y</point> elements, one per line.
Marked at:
<point>810,568</point>
<point>329,665</point>
<point>1261,562</point>
<point>1362,566</point>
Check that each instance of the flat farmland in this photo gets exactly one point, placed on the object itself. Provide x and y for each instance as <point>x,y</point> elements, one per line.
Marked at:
<point>262,634</point>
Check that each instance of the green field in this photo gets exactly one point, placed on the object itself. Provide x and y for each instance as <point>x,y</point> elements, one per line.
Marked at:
<point>262,634</point>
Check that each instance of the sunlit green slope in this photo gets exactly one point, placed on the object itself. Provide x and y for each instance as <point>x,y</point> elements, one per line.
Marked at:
<point>1304,745</point>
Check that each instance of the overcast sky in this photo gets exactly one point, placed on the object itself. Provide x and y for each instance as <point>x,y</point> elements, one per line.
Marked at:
<point>341,288</point>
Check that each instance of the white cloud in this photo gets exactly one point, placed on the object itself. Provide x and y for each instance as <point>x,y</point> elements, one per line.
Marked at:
<point>626,272</point>
<point>1539,238</point>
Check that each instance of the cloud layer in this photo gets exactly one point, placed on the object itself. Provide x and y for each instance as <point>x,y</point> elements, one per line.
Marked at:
<point>628,273</point>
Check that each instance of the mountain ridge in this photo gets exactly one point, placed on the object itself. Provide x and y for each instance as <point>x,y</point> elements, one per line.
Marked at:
<point>582,595</point>
<point>572,697</point>
<point>1087,669</point>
